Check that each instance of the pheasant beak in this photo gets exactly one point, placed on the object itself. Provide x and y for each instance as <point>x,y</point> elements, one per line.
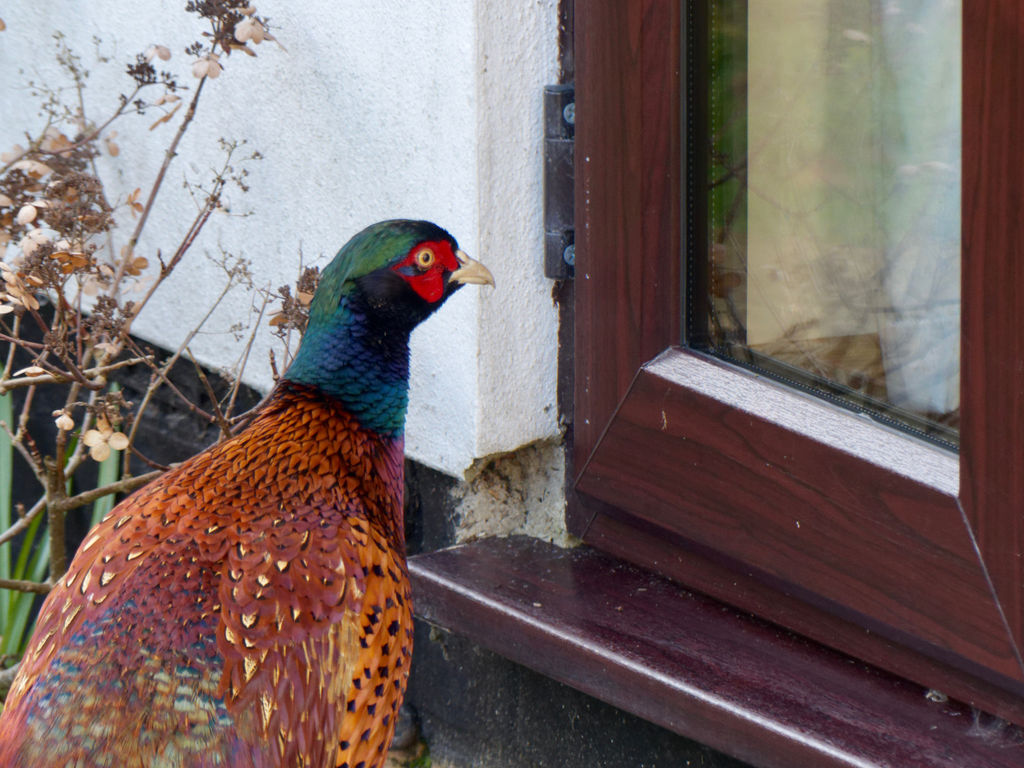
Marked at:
<point>470,271</point>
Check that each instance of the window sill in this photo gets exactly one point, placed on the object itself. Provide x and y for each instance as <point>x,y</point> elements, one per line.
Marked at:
<point>699,668</point>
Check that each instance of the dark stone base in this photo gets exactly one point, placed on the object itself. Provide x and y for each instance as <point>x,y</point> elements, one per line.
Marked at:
<point>479,710</point>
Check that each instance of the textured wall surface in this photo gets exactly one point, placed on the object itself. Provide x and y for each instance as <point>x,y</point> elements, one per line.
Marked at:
<point>478,710</point>
<point>371,110</point>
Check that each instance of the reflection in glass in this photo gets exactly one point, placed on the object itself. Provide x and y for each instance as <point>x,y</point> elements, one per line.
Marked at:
<point>834,199</point>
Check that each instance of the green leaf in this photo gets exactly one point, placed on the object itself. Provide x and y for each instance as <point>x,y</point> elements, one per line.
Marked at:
<point>16,607</point>
<point>6,481</point>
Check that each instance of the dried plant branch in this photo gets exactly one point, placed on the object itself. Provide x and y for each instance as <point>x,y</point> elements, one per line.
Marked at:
<point>78,456</point>
<point>9,363</point>
<point>61,448</point>
<point>165,270</point>
<point>222,423</point>
<point>55,208</point>
<point>161,372</point>
<point>239,421</point>
<point>26,413</point>
<point>98,131</point>
<point>16,342</point>
<point>55,525</point>
<point>23,522</point>
<point>190,406</point>
<point>89,374</point>
<point>145,459</point>
<point>7,679</point>
<point>124,485</point>
<point>36,145</point>
<point>236,384</point>
<point>169,155</point>
<point>33,460</point>
<point>39,587</point>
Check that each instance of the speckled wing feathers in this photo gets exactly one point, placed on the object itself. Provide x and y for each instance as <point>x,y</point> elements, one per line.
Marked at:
<point>382,669</point>
<point>220,615</point>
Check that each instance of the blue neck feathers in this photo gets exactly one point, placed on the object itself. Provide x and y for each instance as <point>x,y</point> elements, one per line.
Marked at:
<point>366,369</point>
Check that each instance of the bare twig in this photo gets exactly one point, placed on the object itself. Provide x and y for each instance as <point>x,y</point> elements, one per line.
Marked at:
<point>222,422</point>
<point>21,585</point>
<point>24,522</point>
<point>7,679</point>
<point>75,461</point>
<point>98,130</point>
<point>72,368</point>
<point>60,451</point>
<point>160,374</point>
<point>236,384</point>
<point>55,523</point>
<point>165,270</point>
<point>9,364</point>
<point>124,485</point>
<point>35,145</point>
<point>273,366</point>
<point>155,465</point>
<point>15,341</point>
<point>169,155</point>
<point>168,364</point>
<point>34,461</point>
<point>239,422</point>
<point>56,378</point>
<point>26,413</point>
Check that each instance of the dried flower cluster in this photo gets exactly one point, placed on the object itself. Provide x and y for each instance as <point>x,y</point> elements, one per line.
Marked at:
<point>294,312</point>
<point>73,279</point>
<point>53,209</point>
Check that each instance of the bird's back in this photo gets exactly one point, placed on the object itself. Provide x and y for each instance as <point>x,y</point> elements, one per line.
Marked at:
<point>249,608</point>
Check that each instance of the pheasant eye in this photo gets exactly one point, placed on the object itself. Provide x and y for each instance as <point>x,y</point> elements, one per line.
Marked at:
<point>425,258</point>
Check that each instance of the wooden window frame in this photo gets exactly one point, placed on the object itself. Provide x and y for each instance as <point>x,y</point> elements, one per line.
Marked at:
<point>785,506</point>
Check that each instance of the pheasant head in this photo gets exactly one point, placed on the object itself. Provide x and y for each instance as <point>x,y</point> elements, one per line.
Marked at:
<point>382,284</point>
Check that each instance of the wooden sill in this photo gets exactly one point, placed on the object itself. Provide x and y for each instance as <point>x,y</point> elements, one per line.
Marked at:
<point>697,667</point>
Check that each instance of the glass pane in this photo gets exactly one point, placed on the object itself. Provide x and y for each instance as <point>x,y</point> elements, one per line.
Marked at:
<point>834,199</point>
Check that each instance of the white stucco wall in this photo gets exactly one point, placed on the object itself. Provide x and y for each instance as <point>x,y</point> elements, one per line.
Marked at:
<point>376,109</point>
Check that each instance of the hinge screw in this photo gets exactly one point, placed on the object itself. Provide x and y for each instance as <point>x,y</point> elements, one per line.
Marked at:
<point>569,113</point>
<point>569,255</point>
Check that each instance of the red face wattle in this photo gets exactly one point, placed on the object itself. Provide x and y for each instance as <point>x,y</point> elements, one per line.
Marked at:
<point>424,268</point>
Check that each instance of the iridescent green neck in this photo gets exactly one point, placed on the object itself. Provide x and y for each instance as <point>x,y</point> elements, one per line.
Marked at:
<point>365,369</point>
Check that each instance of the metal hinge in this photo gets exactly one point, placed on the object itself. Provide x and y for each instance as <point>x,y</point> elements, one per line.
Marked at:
<point>559,132</point>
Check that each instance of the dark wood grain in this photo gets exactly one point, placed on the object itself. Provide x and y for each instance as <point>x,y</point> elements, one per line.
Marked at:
<point>627,208</point>
<point>867,540</point>
<point>939,574</point>
<point>707,571</point>
<point>741,685</point>
<point>992,378</point>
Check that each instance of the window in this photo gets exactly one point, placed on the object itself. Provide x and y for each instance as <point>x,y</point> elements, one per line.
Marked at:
<point>862,537</point>
<point>830,144</point>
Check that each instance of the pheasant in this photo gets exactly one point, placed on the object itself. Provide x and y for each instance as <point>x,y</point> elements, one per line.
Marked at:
<point>251,607</point>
